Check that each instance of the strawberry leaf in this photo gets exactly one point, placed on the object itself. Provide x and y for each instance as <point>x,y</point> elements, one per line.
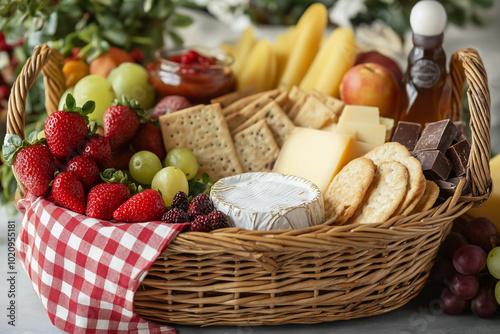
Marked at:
<point>134,105</point>
<point>70,102</point>
<point>93,126</point>
<point>88,107</point>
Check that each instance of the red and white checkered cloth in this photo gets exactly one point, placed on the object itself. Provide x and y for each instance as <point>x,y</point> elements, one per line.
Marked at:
<point>86,271</point>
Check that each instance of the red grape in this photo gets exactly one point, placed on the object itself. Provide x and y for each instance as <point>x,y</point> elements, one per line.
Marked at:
<point>469,259</point>
<point>452,242</point>
<point>464,286</point>
<point>482,232</point>
<point>442,271</point>
<point>452,305</point>
<point>484,305</point>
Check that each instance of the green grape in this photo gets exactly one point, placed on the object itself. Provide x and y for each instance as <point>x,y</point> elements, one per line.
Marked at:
<point>131,80</point>
<point>62,100</point>
<point>168,182</point>
<point>98,89</point>
<point>497,292</point>
<point>143,166</point>
<point>184,159</point>
<point>493,262</point>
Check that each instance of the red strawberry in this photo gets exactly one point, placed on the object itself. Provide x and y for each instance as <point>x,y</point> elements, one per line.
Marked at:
<point>170,103</point>
<point>105,198</point>
<point>97,148</point>
<point>121,121</point>
<point>121,158</point>
<point>32,162</point>
<point>65,129</point>
<point>149,138</point>
<point>68,192</point>
<point>142,207</point>
<point>86,170</point>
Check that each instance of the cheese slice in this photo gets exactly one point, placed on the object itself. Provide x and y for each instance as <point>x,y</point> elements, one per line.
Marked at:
<point>490,209</point>
<point>373,134</point>
<point>268,201</point>
<point>360,114</point>
<point>316,155</point>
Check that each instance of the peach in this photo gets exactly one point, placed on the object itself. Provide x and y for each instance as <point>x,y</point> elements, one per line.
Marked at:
<point>103,64</point>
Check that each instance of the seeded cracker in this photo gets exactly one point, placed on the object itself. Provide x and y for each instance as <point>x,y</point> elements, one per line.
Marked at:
<point>243,102</point>
<point>239,117</point>
<point>384,195</point>
<point>331,102</point>
<point>227,99</point>
<point>256,147</point>
<point>347,190</point>
<point>202,129</point>
<point>393,151</point>
<point>276,119</point>
<point>314,114</point>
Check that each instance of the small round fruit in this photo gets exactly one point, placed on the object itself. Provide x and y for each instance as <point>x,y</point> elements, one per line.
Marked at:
<point>131,80</point>
<point>497,292</point>
<point>98,89</point>
<point>493,262</point>
<point>469,259</point>
<point>184,159</point>
<point>143,166</point>
<point>62,100</point>
<point>168,181</point>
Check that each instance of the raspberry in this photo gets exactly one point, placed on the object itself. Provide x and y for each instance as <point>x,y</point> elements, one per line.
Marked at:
<point>218,220</point>
<point>201,224</point>
<point>200,205</point>
<point>180,201</point>
<point>175,216</point>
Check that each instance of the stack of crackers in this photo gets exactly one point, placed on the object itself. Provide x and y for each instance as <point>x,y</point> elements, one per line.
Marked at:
<point>245,130</point>
<point>386,182</point>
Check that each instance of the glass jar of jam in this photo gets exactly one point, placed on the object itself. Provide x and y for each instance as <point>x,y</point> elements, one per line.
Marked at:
<point>197,73</point>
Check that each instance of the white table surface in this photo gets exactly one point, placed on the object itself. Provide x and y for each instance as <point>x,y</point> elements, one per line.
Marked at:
<point>420,315</point>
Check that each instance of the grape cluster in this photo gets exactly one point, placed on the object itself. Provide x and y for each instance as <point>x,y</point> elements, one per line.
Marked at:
<point>469,267</point>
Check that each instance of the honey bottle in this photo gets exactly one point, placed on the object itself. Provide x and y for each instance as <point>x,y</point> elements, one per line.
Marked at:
<point>427,83</point>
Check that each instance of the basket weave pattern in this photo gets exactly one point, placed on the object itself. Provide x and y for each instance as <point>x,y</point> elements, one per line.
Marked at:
<point>322,273</point>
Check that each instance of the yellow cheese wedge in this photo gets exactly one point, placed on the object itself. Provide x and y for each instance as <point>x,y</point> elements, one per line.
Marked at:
<point>282,48</point>
<point>358,149</point>
<point>308,36</point>
<point>242,49</point>
<point>389,126</point>
<point>491,209</point>
<point>313,154</point>
<point>373,134</point>
<point>335,57</point>
<point>259,68</point>
<point>360,114</point>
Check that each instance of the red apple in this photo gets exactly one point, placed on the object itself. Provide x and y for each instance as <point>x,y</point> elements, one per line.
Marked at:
<point>373,85</point>
<point>378,58</point>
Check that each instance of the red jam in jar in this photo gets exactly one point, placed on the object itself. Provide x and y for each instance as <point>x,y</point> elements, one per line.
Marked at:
<point>199,74</point>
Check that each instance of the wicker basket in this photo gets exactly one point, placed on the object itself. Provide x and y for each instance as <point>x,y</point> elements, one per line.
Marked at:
<point>323,273</point>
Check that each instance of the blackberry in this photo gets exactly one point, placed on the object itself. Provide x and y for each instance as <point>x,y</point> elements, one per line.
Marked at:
<point>175,216</point>
<point>201,224</point>
<point>199,206</point>
<point>218,219</point>
<point>180,201</point>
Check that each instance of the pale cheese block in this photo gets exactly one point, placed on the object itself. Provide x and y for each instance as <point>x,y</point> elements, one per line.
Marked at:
<point>360,114</point>
<point>268,201</point>
<point>373,134</point>
<point>316,155</point>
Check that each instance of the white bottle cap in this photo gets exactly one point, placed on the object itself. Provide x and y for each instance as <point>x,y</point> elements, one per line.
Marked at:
<point>428,18</point>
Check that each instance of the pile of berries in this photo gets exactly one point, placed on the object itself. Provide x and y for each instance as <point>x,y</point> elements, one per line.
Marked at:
<point>199,212</point>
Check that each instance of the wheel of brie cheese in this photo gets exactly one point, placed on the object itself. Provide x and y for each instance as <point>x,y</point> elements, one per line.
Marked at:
<point>268,201</point>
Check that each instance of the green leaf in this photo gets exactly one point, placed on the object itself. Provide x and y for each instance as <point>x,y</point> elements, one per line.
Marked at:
<point>176,38</point>
<point>205,178</point>
<point>15,140</point>
<point>70,102</point>
<point>148,4</point>
<point>88,107</point>
<point>484,3</point>
<point>116,36</point>
<point>181,20</point>
<point>33,136</point>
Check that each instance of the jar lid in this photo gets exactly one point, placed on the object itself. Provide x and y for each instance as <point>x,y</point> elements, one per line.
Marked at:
<point>428,18</point>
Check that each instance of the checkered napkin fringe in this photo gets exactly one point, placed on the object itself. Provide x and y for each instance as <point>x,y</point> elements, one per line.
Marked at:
<point>86,271</point>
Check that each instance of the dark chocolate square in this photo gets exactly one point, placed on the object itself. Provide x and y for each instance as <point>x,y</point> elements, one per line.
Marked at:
<point>437,136</point>
<point>435,165</point>
<point>407,134</point>
<point>463,132</point>
<point>458,155</point>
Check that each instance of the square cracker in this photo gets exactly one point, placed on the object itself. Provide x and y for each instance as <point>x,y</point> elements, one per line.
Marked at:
<point>256,147</point>
<point>331,102</point>
<point>226,99</point>
<point>243,102</point>
<point>276,119</point>
<point>239,117</point>
<point>202,129</point>
<point>314,114</point>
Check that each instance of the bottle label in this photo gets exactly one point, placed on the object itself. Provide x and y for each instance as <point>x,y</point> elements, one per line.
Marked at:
<point>425,73</point>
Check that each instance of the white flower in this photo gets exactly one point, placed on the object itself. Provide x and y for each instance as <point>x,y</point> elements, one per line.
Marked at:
<point>345,10</point>
<point>225,11</point>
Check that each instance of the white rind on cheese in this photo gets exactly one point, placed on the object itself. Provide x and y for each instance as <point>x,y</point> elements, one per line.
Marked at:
<point>268,201</point>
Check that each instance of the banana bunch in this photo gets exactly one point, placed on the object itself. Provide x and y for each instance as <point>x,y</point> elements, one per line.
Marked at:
<point>300,56</point>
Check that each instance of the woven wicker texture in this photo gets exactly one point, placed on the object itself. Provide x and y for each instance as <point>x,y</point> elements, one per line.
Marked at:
<point>323,273</point>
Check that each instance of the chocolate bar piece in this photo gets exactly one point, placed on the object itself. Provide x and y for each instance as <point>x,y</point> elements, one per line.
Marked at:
<point>435,165</point>
<point>458,154</point>
<point>437,136</point>
<point>463,132</point>
<point>406,134</point>
<point>447,188</point>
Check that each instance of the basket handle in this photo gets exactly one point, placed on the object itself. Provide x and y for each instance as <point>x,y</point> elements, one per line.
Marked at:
<point>467,64</point>
<point>50,62</point>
